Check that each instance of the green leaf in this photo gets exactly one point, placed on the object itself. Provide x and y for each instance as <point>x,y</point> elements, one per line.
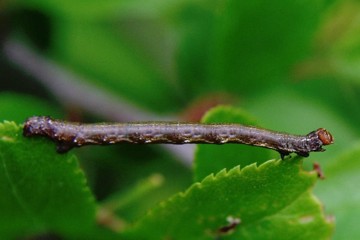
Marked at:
<point>94,10</point>
<point>80,9</point>
<point>257,42</point>
<point>196,20</point>
<point>115,170</point>
<point>257,196</point>
<point>302,219</point>
<point>18,107</point>
<point>338,41</point>
<point>41,191</point>
<point>212,158</point>
<point>299,114</point>
<point>113,62</point>
<point>340,193</point>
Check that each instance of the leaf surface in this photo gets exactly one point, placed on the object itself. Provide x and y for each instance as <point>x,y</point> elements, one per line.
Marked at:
<point>259,197</point>
<point>25,106</point>
<point>41,191</point>
<point>340,192</point>
<point>256,43</point>
<point>212,158</point>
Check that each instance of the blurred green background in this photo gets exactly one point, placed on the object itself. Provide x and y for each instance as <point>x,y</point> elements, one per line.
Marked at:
<point>293,65</point>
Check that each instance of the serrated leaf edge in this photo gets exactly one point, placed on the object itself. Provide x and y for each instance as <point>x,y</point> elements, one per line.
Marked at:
<point>13,124</point>
<point>221,174</point>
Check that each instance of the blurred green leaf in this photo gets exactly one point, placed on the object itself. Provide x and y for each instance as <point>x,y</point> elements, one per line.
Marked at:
<point>91,10</point>
<point>211,158</point>
<point>340,97</point>
<point>196,23</point>
<point>298,114</point>
<point>17,107</point>
<point>100,53</point>
<point>41,191</point>
<point>257,42</point>
<point>254,195</point>
<point>114,170</point>
<point>340,192</point>
<point>337,44</point>
<point>79,9</point>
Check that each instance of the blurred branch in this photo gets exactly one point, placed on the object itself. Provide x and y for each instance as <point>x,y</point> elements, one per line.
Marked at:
<point>71,90</point>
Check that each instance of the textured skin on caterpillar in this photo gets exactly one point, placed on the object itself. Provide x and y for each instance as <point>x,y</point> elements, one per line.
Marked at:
<point>71,134</point>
